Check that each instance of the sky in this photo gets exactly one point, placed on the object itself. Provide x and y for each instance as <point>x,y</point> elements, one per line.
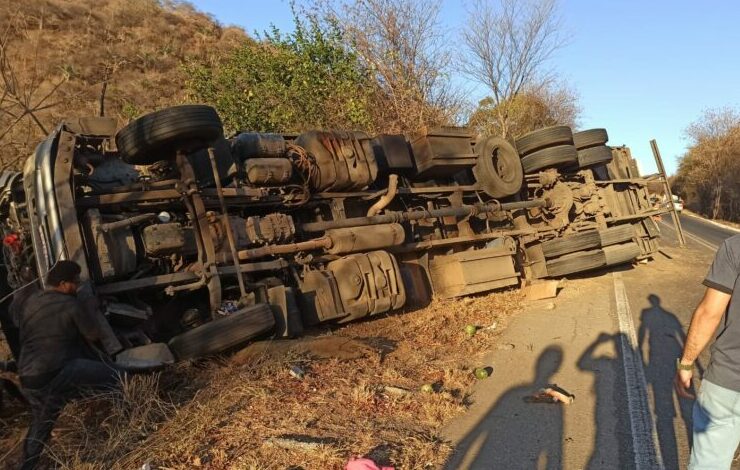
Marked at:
<point>642,69</point>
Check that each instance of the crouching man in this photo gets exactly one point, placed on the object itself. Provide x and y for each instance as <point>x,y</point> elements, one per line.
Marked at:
<point>56,361</point>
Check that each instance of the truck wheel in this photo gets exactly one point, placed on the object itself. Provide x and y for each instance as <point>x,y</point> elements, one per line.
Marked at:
<point>498,170</point>
<point>565,245</point>
<point>594,156</point>
<point>618,254</point>
<point>562,155</point>
<point>223,333</point>
<point>542,138</point>
<point>590,138</point>
<point>158,135</point>
<point>617,234</point>
<point>576,262</point>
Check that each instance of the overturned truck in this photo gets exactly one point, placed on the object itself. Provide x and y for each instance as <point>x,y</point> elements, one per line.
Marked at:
<point>194,243</point>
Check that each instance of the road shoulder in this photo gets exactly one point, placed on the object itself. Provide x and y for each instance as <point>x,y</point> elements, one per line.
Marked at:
<point>574,345</point>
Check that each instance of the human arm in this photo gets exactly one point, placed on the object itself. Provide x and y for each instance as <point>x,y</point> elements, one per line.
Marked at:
<point>704,323</point>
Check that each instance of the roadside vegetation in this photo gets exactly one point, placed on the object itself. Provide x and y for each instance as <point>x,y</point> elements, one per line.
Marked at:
<point>707,173</point>
<point>361,394</point>
<point>383,66</point>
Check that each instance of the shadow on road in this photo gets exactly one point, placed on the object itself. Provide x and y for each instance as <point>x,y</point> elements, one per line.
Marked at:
<point>603,359</point>
<point>660,340</point>
<point>515,434</point>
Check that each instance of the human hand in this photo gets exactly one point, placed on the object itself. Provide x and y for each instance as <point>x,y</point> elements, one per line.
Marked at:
<point>682,383</point>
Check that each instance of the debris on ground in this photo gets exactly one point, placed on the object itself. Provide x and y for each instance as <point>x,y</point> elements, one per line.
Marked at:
<point>471,330</point>
<point>297,372</point>
<point>482,372</point>
<point>541,290</point>
<point>427,388</point>
<point>361,388</point>
<point>364,464</point>
<point>551,394</point>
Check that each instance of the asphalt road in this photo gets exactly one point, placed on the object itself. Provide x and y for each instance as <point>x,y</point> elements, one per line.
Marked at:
<point>611,338</point>
<point>698,230</point>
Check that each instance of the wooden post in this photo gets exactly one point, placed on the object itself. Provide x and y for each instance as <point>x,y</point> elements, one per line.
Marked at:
<point>667,187</point>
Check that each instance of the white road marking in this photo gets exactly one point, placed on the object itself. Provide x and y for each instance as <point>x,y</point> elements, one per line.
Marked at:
<point>698,240</point>
<point>645,445</point>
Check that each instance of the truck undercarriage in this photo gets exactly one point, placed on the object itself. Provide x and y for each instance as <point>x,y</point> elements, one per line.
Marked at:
<point>194,243</point>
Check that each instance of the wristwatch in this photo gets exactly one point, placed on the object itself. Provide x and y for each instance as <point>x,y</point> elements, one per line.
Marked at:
<point>680,366</point>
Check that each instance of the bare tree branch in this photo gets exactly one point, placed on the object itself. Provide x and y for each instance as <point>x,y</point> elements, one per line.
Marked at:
<point>508,45</point>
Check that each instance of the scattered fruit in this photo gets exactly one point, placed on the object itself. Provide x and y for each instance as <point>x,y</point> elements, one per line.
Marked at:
<point>480,373</point>
<point>471,329</point>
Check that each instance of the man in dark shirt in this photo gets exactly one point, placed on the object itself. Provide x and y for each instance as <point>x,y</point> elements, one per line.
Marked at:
<point>56,362</point>
<point>716,416</point>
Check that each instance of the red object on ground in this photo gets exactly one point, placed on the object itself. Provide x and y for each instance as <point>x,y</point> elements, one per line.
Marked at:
<point>364,464</point>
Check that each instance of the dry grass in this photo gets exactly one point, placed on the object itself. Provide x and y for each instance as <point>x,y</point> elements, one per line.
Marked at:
<point>227,414</point>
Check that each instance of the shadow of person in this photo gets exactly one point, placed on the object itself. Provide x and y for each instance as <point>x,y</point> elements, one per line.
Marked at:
<point>660,340</point>
<point>515,434</point>
<point>602,358</point>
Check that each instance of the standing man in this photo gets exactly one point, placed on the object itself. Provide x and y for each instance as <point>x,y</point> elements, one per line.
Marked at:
<point>716,415</point>
<point>56,361</point>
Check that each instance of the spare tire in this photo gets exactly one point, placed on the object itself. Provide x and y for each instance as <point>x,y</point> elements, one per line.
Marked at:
<point>542,138</point>
<point>590,138</point>
<point>616,234</point>
<point>575,263</point>
<point>618,254</point>
<point>498,169</point>
<point>594,156</point>
<point>224,333</point>
<point>562,155</point>
<point>565,245</point>
<point>158,135</point>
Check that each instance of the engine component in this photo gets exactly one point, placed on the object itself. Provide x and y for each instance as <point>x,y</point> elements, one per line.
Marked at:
<point>392,154</point>
<point>469,272</point>
<point>271,228</point>
<point>350,240</point>
<point>353,287</point>
<point>201,163</point>
<point>163,239</point>
<point>337,241</point>
<point>288,322</point>
<point>252,144</point>
<point>393,217</point>
<point>344,160</point>
<point>115,249</point>
<point>442,152</point>
<point>385,199</point>
<point>268,171</point>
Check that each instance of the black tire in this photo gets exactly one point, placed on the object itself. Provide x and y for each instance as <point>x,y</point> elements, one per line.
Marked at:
<point>594,156</point>
<point>224,333</point>
<point>543,138</point>
<point>562,155</point>
<point>575,263</point>
<point>158,135</point>
<point>618,254</point>
<point>498,169</point>
<point>616,234</point>
<point>590,138</point>
<point>565,245</point>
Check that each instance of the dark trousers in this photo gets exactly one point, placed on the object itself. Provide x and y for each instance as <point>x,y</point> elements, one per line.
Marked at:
<point>47,403</point>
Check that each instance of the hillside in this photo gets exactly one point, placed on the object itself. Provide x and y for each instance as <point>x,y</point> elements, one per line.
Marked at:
<point>56,55</point>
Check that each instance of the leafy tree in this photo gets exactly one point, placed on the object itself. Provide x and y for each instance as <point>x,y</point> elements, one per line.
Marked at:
<point>280,83</point>
<point>707,173</point>
<point>527,111</point>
